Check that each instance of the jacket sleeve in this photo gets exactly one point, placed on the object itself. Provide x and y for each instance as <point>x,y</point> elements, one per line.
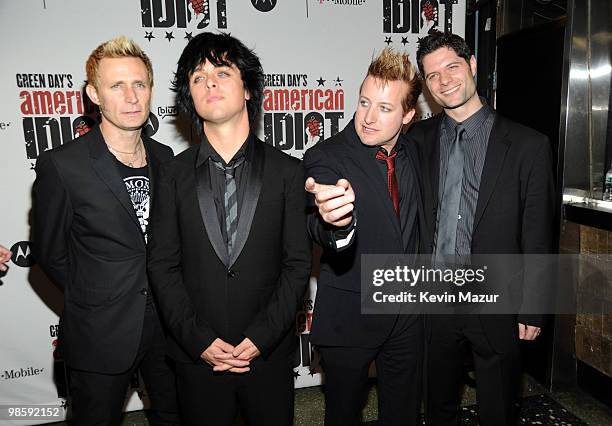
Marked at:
<point>278,316</point>
<point>52,218</point>
<point>537,236</point>
<point>192,333</point>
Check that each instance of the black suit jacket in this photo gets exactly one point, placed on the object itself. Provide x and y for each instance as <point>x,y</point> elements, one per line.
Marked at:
<point>515,207</point>
<point>337,316</point>
<point>89,242</point>
<point>202,292</point>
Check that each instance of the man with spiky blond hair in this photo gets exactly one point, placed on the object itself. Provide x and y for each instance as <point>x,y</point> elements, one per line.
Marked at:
<point>91,213</point>
<point>365,200</point>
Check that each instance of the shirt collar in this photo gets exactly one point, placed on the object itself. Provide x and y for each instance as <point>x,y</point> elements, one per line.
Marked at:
<point>396,148</point>
<point>473,123</point>
<point>207,152</point>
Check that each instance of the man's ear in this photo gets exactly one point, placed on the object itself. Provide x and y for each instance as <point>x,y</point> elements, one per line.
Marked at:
<point>247,95</point>
<point>93,94</point>
<point>473,65</point>
<point>408,116</point>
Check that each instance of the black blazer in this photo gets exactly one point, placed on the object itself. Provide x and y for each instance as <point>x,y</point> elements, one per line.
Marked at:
<point>88,240</point>
<point>202,292</point>
<point>337,315</point>
<point>515,207</point>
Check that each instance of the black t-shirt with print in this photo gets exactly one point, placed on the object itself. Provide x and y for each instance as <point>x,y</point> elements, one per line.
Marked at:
<point>137,185</point>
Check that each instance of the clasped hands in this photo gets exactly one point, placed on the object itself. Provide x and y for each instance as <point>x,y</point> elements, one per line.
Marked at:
<point>224,357</point>
<point>335,202</point>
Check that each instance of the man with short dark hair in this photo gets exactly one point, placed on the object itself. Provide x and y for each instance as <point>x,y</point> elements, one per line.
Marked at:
<point>487,182</point>
<point>91,221</point>
<point>229,257</point>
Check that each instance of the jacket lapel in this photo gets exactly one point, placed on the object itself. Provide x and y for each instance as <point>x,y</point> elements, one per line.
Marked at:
<point>105,167</point>
<point>432,152</point>
<point>496,153</point>
<point>251,196</point>
<point>153,163</point>
<point>209,212</point>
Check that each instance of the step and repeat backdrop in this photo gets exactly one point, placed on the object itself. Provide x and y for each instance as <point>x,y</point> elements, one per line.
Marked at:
<point>314,52</point>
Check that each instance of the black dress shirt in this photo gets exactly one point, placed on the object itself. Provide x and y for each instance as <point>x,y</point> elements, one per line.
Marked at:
<point>207,154</point>
<point>407,188</point>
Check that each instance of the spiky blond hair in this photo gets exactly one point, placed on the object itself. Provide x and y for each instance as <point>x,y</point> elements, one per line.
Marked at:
<point>390,65</point>
<point>118,47</point>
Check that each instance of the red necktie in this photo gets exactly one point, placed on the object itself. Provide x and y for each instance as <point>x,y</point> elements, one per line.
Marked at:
<point>391,180</point>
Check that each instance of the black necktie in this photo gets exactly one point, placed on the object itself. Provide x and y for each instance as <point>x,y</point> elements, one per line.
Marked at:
<point>230,201</point>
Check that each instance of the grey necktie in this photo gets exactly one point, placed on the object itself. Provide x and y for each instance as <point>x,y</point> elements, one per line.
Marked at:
<point>230,201</point>
<point>451,196</point>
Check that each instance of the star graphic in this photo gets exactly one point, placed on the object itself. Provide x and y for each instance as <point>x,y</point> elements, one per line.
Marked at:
<point>32,166</point>
<point>312,372</point>
<point>388,40</point>
<point>295,374</point>
<point>338,81</point>
<point>65,404</point>
<point>149,35</point>
<point>188,36</point>
<point>169,36</point>
<point>419,39</point>
<point>321,81</point>
<point>405,41</point>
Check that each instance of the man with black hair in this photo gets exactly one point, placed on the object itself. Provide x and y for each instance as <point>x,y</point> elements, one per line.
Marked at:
<point>487,183</point>
<point>230,255</point>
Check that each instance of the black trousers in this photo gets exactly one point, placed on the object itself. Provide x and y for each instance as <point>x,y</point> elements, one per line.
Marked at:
<point>398,370</point>
<point>98,399</point>
<point>264,396</point>
<point>497,372</point>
